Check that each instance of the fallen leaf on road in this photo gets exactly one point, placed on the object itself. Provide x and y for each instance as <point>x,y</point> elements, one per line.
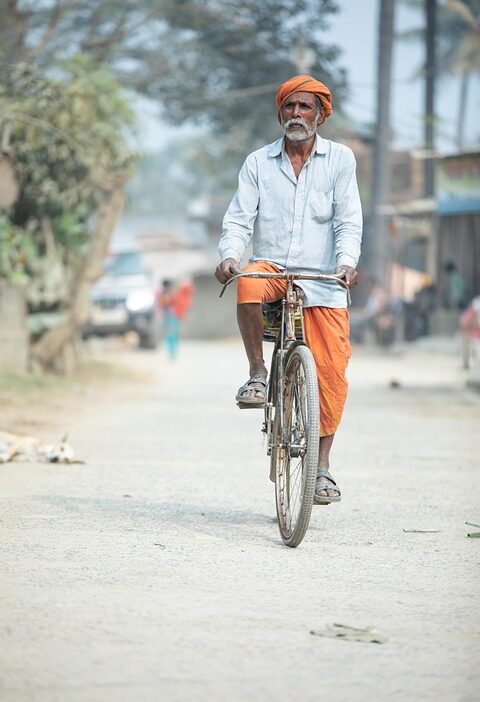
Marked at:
<point>350,633</point>
<point>422,531</point>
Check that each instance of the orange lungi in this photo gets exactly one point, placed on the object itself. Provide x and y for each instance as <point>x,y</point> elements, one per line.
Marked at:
<point>326,332</point>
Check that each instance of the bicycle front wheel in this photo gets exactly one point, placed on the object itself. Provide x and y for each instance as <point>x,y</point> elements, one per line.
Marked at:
<point>295,446</point>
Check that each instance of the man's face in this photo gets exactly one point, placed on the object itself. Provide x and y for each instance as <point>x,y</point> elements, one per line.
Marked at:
<point>299,116</point>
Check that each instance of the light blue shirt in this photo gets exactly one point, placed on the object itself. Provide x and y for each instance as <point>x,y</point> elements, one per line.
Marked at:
<point>312,224</point>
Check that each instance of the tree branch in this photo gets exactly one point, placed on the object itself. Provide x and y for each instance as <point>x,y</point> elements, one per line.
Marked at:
<point>55,16</point>
<point>19,20</point>
<point>98,42</point>
<point>119,32</point>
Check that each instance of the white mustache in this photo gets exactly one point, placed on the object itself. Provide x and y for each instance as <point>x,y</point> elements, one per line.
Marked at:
<point>296,121</point>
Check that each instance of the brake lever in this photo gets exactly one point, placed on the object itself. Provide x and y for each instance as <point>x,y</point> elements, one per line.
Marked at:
<point>230,280</point>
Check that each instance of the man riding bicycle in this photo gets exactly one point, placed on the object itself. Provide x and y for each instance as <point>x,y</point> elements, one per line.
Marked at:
<point>301,195</point>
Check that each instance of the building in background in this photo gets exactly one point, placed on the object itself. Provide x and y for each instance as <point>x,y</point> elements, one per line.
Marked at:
<point>458,209</point>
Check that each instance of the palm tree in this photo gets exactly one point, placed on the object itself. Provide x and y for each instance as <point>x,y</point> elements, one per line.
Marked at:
<point>461,51</point>
<point>379,243</point>
<point>457,46</point>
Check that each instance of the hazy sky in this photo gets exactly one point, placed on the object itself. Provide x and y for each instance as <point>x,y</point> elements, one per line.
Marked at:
<point>354,30</point>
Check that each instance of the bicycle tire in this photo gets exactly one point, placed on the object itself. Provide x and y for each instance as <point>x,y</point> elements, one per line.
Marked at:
<point>300,370</point>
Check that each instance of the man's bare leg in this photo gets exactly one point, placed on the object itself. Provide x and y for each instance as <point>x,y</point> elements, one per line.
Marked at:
<point>250,323</point>
<point>325,446</point>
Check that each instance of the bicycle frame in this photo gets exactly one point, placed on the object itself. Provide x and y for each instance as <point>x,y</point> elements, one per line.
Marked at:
<point>286,339</point>
<point>285,342</point>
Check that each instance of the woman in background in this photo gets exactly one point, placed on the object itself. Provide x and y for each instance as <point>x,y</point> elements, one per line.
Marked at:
<point>173,305</point>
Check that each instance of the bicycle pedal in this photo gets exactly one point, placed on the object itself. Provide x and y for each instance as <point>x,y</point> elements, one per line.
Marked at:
<point>245,405</point>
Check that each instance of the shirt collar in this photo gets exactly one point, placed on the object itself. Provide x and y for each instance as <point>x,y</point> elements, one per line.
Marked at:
<point>276,149</point>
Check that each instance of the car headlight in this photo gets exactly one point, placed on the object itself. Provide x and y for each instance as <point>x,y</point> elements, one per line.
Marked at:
<point>140,300</point>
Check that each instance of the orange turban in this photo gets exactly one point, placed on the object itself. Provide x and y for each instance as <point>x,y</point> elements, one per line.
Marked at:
<point>305,84</point>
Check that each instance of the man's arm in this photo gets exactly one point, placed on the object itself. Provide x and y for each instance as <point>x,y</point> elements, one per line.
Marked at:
<point>347,218</point>
<point>238,222</point>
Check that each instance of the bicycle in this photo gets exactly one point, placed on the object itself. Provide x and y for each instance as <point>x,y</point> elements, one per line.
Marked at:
<point>292,411</point>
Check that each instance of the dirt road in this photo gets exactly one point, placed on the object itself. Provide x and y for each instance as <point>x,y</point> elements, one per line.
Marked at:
<point>155,571</point>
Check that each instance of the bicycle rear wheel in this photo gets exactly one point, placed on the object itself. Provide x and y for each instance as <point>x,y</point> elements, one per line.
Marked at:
<point>295,450</point>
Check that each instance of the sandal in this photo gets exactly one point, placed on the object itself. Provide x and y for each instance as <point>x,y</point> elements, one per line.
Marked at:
<point>257,383</point>
<point>325,482</point>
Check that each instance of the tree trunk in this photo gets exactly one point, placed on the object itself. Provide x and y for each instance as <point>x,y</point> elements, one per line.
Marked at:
<point>378,245</point>
<point>462,109</point>
<point>13,328</point>
<point>430,75</point>
<point>53,342</point>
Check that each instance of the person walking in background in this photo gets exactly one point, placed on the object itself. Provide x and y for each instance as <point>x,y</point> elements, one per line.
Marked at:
<point>470,326</point>
<point>376,302</point>
<point>456,288</point>
<point>183,300</point>
<point>173,305</point>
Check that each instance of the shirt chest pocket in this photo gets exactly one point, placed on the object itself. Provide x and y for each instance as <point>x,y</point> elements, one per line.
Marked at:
<point>321,205</point>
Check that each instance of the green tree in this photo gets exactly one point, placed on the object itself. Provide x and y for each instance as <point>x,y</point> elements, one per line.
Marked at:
<point>68,144</point>
<point>214,62</point>
<point>67,134</point>
<point>233,55</point>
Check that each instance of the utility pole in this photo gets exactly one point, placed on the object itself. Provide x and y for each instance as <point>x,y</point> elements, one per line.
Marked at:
<point>430,75</point>
<point>462,105</point>
<point>379,243</point>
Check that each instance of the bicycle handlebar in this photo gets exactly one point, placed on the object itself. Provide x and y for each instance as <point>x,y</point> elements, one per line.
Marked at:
<point>285,275</point>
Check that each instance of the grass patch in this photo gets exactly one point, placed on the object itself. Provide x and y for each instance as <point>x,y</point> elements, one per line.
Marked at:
<point>39,403</point>
<point>92,372</point>
<point>28,383</point>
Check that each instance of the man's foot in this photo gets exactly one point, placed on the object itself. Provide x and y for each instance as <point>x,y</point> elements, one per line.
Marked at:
<point>252,394</point>
<point>326,489</point>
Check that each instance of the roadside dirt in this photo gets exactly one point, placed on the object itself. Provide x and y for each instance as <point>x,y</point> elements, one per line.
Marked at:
<point>49,406</point>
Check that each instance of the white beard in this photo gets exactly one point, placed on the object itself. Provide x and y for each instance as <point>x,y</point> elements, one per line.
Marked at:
<point>298,134</point>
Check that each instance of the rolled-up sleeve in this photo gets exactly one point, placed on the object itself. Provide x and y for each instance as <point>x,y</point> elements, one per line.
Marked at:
<point>242,212</point>
<point>347,219</point>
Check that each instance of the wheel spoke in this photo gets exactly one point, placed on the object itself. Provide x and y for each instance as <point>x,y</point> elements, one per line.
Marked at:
<point>294,482</point>
<point>299,465</point>
<point>297,482</point>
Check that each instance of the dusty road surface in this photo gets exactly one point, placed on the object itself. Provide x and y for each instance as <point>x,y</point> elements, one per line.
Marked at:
<point>155,571</point>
